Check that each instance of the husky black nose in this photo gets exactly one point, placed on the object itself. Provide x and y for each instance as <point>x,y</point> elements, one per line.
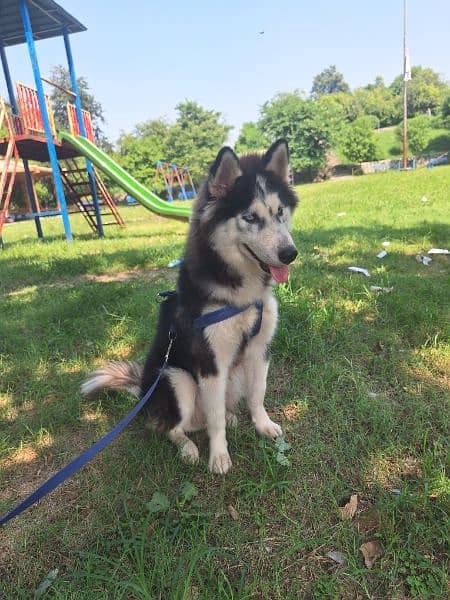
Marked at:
<point>288,254</point>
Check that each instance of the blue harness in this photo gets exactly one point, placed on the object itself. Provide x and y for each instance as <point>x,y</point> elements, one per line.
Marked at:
<point>216,316</point>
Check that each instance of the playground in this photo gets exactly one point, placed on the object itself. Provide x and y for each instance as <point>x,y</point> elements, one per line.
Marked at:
<point>352,503</point>
<point>359,389</point>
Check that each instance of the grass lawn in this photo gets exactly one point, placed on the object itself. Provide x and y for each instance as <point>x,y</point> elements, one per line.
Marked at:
<point>389,146</point>
<point>359,381</point>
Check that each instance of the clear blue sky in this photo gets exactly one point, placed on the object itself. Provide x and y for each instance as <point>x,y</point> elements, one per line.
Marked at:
<point>141,57</point>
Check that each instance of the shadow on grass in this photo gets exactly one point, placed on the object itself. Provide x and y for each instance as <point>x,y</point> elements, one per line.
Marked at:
<point>335,344</point>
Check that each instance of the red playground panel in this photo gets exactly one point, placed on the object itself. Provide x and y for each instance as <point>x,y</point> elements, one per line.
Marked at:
<point>75,126</point>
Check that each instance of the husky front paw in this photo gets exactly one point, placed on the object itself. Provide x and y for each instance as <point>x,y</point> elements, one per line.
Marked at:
<point>189,453</point>
<point>269,429</point>
<point>220,463</point>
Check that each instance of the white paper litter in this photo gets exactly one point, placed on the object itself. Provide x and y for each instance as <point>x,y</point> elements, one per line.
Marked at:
<point>341,214</point>
<point>438,251</point>
<point>425,260</point>
<point>424,199</point>
<point>45,583</point>
<point>373,394</point>
<point>359,270</point>
<point>175,263</point>
<point>382,254</point>
<point>386,244</point>
<point>336,556</point>
<point>378,288</point>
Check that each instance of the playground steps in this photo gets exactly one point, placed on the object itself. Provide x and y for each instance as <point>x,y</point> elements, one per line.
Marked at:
<point>78,191</point>
<point>8,168</point>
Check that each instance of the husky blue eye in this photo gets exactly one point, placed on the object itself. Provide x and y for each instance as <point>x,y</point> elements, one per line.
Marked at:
<point>249,217</point>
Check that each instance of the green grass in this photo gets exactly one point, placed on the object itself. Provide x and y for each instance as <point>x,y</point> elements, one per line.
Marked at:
<point>359,381</point>
<point>388,145</point>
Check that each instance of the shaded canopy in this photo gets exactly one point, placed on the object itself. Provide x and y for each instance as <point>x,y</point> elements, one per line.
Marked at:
<point>48,19</point>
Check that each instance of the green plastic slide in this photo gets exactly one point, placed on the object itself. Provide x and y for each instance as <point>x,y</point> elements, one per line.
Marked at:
<point>138,191</point>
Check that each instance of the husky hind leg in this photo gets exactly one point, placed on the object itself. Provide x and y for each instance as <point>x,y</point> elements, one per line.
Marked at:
<point>185,390</point>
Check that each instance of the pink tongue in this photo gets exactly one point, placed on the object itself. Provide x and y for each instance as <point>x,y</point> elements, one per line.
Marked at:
<point>280,274</point>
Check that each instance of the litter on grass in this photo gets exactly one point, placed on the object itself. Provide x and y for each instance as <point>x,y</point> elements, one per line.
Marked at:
<point>382,254</point>
<point>176,262</point>
<point>386,244</point>
<point>438,251</point>
<point>341,214</point>
<point>379,288</point>
<point>359,270</point>
<point>424,199</point>
<point>373,394</point>
<point>425,260</point>
<point>336,556</point>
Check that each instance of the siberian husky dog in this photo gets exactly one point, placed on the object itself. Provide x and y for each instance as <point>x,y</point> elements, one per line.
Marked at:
<point>238,248</point>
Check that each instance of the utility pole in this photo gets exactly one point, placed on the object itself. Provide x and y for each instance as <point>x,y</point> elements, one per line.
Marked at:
<point>406,77</point>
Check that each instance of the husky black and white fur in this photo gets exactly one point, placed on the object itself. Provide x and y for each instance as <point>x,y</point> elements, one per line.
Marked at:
<point>238,245</point>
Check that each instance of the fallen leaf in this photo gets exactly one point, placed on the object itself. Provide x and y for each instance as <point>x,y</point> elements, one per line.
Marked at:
<point>371,551</point>
<point>48,459</point>
<point>348,511</point>
<point>233,512</point>
<point>336,556</point>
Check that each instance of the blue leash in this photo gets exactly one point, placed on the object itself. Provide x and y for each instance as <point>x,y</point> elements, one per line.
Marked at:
<point>216,316</point>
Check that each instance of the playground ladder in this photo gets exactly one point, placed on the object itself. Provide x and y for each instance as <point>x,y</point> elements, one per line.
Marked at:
<point>9,167</point>
<point>79,191</point>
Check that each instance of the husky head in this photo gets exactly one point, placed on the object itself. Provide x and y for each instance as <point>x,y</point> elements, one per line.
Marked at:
<point>247,208</point>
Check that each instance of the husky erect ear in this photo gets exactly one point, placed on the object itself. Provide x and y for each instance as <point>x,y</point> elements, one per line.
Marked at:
<point>276,160</point>
<point>223,173</point>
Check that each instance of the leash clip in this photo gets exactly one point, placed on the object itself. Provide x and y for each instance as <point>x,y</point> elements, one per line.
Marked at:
<point>172,337</point>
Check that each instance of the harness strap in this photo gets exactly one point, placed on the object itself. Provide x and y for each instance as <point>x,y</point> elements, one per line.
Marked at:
<point>88,454</point>
<point>227,312</point>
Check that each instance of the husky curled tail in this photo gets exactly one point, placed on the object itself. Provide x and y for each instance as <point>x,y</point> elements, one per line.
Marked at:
<point>120,376</point>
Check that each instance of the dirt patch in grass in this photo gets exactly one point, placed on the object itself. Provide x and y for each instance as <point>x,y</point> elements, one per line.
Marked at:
<point>118,276</point>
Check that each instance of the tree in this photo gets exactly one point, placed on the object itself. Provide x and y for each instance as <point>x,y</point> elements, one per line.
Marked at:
<point>425,90</point>
<point>192,141</point>
<point>378,101</point>
<point>329,81</point>
<point>139,151</point>
<point>59,99</point>
<point>419,133</point>
<point>310,127</point>
<point>251,139</point>
<point>445,111</point>
<point>358,142</point>
<point>195,137</point>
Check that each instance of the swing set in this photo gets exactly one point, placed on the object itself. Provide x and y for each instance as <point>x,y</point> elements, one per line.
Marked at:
<point>173,176</point>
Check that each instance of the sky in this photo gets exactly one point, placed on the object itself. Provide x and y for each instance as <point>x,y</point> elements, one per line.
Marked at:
<point>142,57</point>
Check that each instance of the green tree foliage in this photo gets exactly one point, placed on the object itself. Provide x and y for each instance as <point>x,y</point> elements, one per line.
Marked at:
<point>358,142</point>
<point>192,141</point>
<point>139,151</point>
<point>251,139</point>
<point>329,81</point>
<point>419,133</point>
<point>59,99</point>
<point>378,101</point>
<point>425,90</point>
<point>195,137</point>
<point>310,127</point>
<point>445,111</point>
